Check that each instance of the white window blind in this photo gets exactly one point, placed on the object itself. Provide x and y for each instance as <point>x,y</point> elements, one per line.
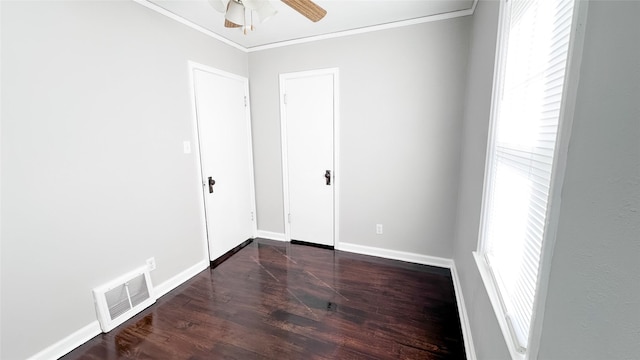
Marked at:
<point>530,80</point>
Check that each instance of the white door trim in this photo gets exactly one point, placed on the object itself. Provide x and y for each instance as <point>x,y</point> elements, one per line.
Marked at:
<point>336,141</point>
<point>196,136</point>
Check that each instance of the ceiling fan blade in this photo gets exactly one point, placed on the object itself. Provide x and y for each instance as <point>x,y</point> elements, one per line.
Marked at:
<point>229,24</point>
<point>307,8</point>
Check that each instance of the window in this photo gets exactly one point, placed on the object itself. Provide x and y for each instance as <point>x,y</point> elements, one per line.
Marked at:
<point>533,51</point>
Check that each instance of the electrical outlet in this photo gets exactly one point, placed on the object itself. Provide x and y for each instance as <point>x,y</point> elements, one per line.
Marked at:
<point>379,229</point>
<point>151,264</point>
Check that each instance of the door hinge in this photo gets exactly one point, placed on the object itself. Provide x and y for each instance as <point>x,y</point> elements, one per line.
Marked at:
<point>284,99</point>
<point>245,101</point>
<point>252,216</point>
<point>289,218</point>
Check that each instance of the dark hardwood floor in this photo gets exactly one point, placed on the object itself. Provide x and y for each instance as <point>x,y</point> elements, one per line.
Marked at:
<point>275,300</point>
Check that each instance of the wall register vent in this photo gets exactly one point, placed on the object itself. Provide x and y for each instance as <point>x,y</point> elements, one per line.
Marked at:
<point>122,298</point>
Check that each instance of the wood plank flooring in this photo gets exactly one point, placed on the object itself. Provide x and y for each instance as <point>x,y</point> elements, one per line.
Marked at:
<point>275,300</point>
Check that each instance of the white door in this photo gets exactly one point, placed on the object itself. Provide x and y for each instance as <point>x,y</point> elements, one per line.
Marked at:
<point>308,124</point>
<point>224,132</point>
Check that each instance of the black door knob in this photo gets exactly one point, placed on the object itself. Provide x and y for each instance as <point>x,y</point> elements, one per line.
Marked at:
<point>211,183</point>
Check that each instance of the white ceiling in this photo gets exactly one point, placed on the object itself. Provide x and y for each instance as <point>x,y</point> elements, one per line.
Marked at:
<point>342,16</point>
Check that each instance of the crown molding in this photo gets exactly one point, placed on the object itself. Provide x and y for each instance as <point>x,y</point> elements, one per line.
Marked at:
<point>393,25</point>
<point>368,29</point>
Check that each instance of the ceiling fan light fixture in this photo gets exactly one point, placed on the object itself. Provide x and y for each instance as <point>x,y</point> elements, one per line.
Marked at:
<point>235,13</point>
<point>266,11</point>
<point>229,24</point>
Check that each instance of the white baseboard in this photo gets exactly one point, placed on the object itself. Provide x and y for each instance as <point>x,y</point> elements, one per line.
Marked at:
<point>271,235</point>
<point>69,343</point>
<point>464,318</point>
<point>180,278</point>
<point>88,332</point>
<point>396,255</point>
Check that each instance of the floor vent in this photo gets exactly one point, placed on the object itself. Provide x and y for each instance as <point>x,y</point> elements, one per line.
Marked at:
<point>122,298</point>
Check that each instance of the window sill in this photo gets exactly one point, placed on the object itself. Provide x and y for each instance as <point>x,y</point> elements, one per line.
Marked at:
<point>494,298</point>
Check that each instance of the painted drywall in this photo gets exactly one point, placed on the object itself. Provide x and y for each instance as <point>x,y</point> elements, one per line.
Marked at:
<point>401,96</point>
<point>95,107</point>
<point>593,294</point>
<point>487,337</point>
<point>592,308</point>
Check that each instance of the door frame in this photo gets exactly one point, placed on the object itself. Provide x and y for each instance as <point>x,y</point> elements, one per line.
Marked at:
<point>336,147</point>
<point>196,149</point>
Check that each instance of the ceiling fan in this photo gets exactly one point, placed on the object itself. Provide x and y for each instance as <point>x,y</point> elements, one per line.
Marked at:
<point>239,13</point>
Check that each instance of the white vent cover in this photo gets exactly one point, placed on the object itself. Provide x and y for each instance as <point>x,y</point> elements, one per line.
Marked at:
<point>122,298</point>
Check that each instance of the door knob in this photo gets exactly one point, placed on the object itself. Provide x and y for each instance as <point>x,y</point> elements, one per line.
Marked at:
<point>327,176</point>
<point>211,183</point>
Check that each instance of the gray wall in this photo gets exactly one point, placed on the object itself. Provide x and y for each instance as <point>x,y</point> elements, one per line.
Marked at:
<point>593,293</point>
<point>95,106</point>
<point>487,336</point>
<point>592,309</point>
<point>402,92</point>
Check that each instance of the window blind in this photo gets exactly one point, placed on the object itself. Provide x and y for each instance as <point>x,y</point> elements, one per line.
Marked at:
<point>531,73</point>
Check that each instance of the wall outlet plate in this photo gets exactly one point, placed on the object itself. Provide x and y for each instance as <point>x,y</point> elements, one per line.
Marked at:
<point>379,229</point>
<point>151,264</point>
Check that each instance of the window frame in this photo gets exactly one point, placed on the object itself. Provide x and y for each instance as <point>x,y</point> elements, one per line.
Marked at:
<point>565,122</point>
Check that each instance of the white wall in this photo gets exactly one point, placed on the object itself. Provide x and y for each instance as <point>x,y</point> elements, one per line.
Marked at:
<point>593,305</point>
<point>593,293</point>
<point>95,106</point>
<point>402,93</point>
